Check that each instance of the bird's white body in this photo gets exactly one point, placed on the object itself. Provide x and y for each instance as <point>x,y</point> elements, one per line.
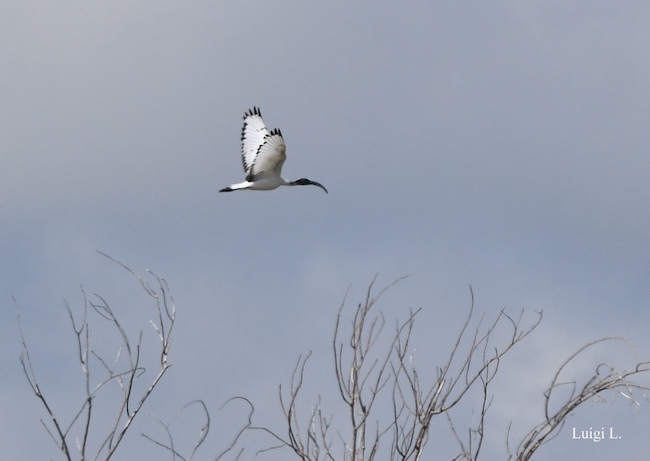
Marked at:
<point>263,154</point>
<point>268,183</point>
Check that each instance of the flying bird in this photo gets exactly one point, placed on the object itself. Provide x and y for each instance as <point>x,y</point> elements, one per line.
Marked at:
<point>263,154</point>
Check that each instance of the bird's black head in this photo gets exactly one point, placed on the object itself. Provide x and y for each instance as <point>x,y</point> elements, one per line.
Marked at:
<point>307,182</point>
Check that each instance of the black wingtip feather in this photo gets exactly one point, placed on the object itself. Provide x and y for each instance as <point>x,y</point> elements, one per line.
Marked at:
<point>254,111</point>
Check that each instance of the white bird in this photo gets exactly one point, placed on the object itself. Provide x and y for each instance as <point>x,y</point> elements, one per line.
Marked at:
<point>263,154</point>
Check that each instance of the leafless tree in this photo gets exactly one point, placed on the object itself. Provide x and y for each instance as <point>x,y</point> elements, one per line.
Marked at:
<point>102,373</point>
<point>389,404</point>
<point>390,407</point>
<point>121,380</point>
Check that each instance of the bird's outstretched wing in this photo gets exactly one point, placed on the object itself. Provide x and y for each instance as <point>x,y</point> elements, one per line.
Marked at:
<point>252,137</point>
<point>270,157</point>
<point>263,152</point>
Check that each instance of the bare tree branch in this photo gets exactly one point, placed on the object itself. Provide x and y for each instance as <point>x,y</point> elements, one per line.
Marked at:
<point>605,378</point>
<point>204,431</point>
<point>25,359</point>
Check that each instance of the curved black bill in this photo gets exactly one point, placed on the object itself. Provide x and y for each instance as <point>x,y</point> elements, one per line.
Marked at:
<point>308,182</point>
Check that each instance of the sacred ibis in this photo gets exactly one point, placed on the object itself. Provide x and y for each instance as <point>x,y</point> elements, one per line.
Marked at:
<point>263,154</point>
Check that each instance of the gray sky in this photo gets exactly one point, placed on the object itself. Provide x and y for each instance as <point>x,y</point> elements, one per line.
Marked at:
<point>499,144</point>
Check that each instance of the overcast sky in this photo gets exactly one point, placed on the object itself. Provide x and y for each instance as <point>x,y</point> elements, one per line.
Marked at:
<point>502,145</point>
